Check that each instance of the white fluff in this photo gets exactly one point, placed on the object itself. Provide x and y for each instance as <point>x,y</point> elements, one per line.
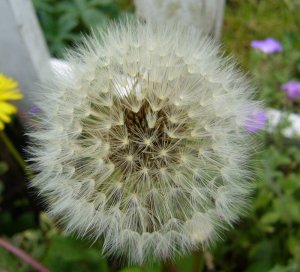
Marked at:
<point>142,142</point>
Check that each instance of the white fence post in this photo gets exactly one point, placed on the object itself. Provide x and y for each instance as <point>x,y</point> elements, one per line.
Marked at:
<point>219,18</point>
<point>23,51</point>
<point>206,15</point>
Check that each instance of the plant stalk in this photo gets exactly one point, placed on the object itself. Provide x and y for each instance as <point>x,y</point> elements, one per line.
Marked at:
<point>16,154</point>
<point>22,255</point>
<point>168,266</point>
<point>198,261</point>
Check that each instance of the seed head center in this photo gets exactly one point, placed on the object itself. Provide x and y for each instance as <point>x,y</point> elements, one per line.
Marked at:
<point>149,144</point>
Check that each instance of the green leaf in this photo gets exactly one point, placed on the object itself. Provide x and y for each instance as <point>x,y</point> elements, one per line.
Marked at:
<point>263,253</point>
<point>288,208</point>
<point>1,189</point>
<point>3,167</point>
<point>93,18</point>
<point>101,2</point>
<point>132,269</point>
<point>294,246</point>
<point>259,266</point>
<point>43,5</point>
<point>66,8</point>
<point>270,218</point>
<point>153,267</point>
<point>279,268</point>
<point>186,263</point>
<point>8,262</point>
<point>68,22</point>
<point>69,254</point>
<point>81,4</point>
<point>263,198</point>
<point>290,184</point>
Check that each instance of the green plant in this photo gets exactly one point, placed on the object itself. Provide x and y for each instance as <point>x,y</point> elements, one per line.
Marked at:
<point>64,22</point>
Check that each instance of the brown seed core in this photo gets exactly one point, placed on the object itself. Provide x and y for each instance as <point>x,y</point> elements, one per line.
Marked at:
<point>151,149</point>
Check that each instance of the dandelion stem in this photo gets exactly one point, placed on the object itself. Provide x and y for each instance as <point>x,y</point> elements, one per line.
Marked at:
<point>114,264</point>
<point>16,154</point>
<point>22,255</point>
<point>209,261</point>
<point>168,266</point>
<point>198,261</point>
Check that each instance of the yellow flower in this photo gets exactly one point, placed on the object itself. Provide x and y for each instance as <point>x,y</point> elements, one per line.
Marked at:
<point>8,91</point>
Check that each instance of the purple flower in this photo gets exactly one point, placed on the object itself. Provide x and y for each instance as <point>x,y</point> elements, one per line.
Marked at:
<point>292,89</point>
<point>257,121</point>
<point>34,110</point>
<point>268,45</point>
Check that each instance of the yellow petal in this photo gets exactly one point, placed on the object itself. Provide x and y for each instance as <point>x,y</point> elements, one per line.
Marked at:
<point>7,83</point>
<point>4,117</point>
<point>10,95</point>
<point>7,108</point>
<point>1,125</point>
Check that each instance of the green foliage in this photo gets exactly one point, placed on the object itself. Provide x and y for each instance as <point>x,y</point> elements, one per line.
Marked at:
<point>3,169</point>
<point>54,250</point>
<point>254,20</point>
<point>8,262</point>
<point>10,225</point>
<point>279,69</point>
<point>64,22</point>
<point>268,240</point>
<point>69,254</point>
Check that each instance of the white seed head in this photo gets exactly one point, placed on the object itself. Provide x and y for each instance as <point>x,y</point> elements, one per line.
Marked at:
<point>150,152</point>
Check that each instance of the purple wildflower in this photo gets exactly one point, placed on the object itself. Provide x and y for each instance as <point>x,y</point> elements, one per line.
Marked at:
<point>34,110</point>
<point>268,45</point>
<point>292,89</point>
<point>257,121</point>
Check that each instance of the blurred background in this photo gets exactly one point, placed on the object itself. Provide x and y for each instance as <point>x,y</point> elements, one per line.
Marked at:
<point>264,37</point>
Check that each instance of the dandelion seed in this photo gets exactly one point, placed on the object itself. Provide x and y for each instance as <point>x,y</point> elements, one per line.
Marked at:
<point>145,155</point>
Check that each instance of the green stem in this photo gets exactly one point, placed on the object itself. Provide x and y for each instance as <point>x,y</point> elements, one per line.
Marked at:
<point>16,154</point>
<point>209,261</point>
<point>22,255</point>
<point>198,261</point>
<point>168,266</point>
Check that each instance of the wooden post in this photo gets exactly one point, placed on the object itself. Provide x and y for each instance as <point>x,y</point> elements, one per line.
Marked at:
<point>23,51</point>
<point>206,15</point>
<point>219,18</point>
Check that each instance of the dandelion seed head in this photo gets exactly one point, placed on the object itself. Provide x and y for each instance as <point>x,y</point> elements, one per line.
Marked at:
<point>143,141</point>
